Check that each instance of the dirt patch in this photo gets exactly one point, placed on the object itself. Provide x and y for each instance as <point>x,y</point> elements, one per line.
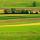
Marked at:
<point>35,18</point>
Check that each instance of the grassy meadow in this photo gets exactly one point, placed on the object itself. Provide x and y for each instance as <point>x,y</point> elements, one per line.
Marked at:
<point>23,27</point>
<point>19,26</point>
<point>18,3</point>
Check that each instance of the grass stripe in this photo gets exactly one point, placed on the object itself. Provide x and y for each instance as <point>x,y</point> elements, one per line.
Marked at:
<point>20,25</point>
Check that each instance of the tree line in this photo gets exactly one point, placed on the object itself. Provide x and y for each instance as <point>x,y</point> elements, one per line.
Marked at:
<point>14,11</point>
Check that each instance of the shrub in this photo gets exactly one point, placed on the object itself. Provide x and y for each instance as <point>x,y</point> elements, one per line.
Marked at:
<point>13,10</point>
<point>5,11</point>
<point>23,12</point>
<point>27,12</point>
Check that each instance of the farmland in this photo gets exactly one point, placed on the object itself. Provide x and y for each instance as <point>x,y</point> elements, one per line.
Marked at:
<point>23,27</point>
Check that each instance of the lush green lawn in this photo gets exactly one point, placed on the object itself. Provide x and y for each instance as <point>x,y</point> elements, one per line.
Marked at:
<point>27,4</point>
<point>18,3</point>
<point>19,16</point>
<point>31,28</point>
<point>30,32</point>
<point>20,33</point>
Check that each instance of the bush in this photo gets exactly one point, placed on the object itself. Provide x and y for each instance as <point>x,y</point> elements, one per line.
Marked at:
<point>34,3</point>
<point>36,12</point>
<point>13,10</point>
<point>27,12</point>
<point>31,12</point>
<point>5,11</point>
<point>23,12</point>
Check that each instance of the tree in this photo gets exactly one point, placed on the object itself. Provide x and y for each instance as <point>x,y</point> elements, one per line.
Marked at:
<point>27,12</point>
<point>34,3</point>
<point>23,12</point>
<point>5,11</point>
<point>31,12</point>
<point>36,12</point>
<point>13,10</point>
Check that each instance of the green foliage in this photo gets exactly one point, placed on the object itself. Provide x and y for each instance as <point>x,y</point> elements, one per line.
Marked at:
<point>13,10</point>
<point>5,11</point>
<point>34,3</point>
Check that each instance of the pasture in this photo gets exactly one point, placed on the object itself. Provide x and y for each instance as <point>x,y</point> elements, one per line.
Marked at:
<point>23,27</point>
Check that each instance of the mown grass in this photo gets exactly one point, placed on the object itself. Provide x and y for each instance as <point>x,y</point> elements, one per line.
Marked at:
<point>35,28</point>
<point>20,33</point>
<point>19,21</point>
<point>27,4</point>
<point>18,3</point>
<point>18,16</point>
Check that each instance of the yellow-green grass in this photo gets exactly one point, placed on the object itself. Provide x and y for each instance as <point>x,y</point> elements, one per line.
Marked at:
<point>30,32</point>
<point>27,3</point>
<point>18,3</point>
<point>20,27</point>
<point>18,16</point>
<point>11,30</point>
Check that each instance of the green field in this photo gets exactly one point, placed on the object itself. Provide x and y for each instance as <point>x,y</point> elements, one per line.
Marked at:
<point>18,3</point>
<point>27,3</point>
<point>23,27</point>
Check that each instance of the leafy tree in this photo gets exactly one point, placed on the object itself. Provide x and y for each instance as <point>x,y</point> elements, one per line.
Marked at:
<point>27,12</point>
<point>31,12</point>
<point>5,11</point>
<point>34,3</point>
<point>13,10</point>
<point>23,12</point>
<point>36,12</point>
